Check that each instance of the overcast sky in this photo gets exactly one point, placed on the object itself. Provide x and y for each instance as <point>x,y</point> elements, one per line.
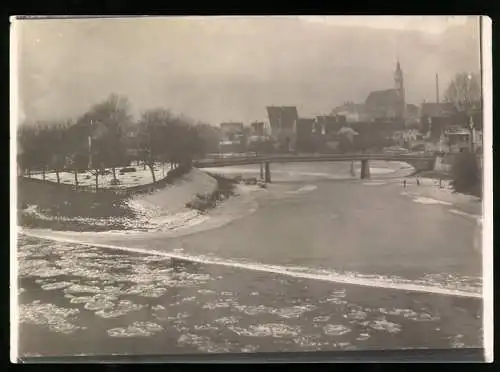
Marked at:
<point>230,68</point>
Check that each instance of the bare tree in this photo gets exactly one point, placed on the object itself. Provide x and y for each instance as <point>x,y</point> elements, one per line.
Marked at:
<point>107,121</point>
<point>154,136</point>
<point>60,147</point>
<point>26,148</point>
<point>465,93</point>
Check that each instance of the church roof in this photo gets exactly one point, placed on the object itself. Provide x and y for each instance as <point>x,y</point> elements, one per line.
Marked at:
<point>386,97</point>
<point>349,107</point>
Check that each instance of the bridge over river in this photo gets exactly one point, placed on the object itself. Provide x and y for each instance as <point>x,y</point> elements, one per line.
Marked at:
<point>419,162</point>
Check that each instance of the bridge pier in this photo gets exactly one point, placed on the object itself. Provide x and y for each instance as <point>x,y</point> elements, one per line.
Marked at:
<point>365,169</point>
<point>267,176</point>
<point>353,171</point>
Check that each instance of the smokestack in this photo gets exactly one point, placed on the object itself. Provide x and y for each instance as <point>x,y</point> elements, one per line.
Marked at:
<point>437,88</point>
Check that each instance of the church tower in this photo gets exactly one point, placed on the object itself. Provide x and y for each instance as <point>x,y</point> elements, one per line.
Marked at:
<point>399,87</point>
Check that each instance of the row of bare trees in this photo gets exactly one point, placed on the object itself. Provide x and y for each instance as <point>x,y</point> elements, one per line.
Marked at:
<point>107,136</point>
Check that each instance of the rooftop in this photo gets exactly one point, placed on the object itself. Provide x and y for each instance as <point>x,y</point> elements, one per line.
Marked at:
<point>386,97</point>
<point>438,109</point>
<point>349,107</point>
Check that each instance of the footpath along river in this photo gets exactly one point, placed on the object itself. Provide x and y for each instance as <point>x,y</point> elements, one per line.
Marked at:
<point>318,261</point>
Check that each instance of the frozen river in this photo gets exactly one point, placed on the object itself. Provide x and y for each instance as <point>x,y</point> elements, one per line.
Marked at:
<point>318,261</point>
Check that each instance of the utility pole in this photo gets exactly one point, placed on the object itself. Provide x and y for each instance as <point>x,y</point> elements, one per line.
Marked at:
<point>90,144</point>
<point>437,89</point>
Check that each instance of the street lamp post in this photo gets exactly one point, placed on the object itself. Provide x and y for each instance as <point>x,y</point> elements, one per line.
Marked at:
<point>471,135</point>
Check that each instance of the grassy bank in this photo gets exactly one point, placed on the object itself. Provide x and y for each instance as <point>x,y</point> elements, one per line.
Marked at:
<point>205,202</point>
<point>48,206</point>
<point>225,189</point>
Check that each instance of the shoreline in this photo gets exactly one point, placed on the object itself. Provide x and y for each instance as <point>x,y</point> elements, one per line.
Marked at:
<point>213,207</point>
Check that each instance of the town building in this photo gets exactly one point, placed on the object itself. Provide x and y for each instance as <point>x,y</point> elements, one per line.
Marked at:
<point>258,128</point>
<point>282,121</point>
<point>435,118</point>
<point>353,112</point>
<point>231,129</point>
<point>457,139</point>
<point>232,137</point>
<point>329,124</point>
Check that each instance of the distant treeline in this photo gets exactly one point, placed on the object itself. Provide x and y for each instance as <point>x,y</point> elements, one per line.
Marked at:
<point>107,136</point>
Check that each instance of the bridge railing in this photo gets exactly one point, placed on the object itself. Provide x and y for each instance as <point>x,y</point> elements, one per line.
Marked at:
<point>309,158</point>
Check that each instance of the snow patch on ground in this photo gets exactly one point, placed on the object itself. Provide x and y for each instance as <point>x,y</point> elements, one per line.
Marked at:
<point>465,214</point>
<point>162,210</point>
<point>431,189</point>
<point>303,189</point>
<point>140,177</point>
<point>425,200</point>
<point>173,198</point>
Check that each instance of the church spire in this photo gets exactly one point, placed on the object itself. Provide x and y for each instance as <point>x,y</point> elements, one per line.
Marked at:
<point>398,77</point>
<point>399,86</point>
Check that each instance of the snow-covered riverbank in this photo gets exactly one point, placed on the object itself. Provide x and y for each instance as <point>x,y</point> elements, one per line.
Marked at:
<point>430,190</point>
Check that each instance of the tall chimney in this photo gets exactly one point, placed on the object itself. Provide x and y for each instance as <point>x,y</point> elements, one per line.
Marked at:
<point>437,88</point>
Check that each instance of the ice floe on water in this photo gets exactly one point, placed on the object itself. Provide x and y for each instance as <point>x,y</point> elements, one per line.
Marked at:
<point>121,308</point>
<point>333,300</point>
<point>410,314</point>
<point>267,330</point>
<point>180,316</point>
<point>456,341</point>
<point>321,319</point>
<point>79,288</point>
<point>146,290</point>
<point>293,312</point>
<point>335,330</point>
<point>58,319</point>
<point>383,325</point>
<point>312,342</point>
<point>219,304</point>
<point>95,305</point>
<point>80,300</point>
<point>56,285</point>
<point>204,343</point>
<point>205,327</point>
<point>355,314</point>
<point>249,348</point>
<point>136,329</point>
<point>227,320</point>
<point>363,337</point>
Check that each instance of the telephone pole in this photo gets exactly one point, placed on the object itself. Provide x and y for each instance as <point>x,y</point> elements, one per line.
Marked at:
<point>90,144</point>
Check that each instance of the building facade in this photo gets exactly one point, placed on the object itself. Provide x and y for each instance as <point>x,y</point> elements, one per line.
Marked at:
<point>258,128</point>
<point>282,120</point>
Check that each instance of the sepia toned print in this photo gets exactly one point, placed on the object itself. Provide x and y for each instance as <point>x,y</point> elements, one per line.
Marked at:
<point>208,185</point>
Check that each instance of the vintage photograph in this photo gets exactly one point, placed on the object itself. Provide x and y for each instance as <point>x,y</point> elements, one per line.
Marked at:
<point>214,185</point>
